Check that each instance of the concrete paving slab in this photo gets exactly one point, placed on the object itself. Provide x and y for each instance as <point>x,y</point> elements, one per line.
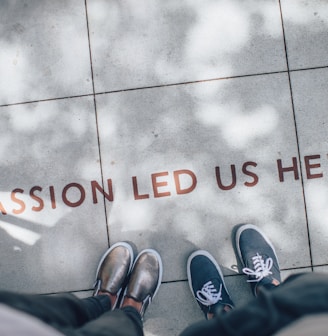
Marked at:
<point>52,231</point>
<point>160,42</point>
<point>306,24</point>
<point>171,154</point>
<point>322,269</point>
<point>310,99</point>
<point>182,164</point>
<point>43,50</point>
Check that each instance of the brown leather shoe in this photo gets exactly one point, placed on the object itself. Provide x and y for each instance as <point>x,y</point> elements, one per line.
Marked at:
<point>145,279</point>
<point>113,269</point>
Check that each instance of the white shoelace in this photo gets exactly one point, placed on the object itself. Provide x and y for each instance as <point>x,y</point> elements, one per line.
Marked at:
<point>261,268</point>
<point>209,295</point>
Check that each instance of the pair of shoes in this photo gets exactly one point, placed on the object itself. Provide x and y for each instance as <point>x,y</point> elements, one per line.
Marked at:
<point>140,278</point>
<point>260,264</point>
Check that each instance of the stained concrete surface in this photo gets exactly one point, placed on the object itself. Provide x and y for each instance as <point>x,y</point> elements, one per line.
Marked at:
<point>166,124</point>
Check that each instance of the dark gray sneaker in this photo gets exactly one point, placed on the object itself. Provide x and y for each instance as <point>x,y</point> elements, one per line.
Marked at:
<point>258,257</point>
<point>206,283</point>
<point>113,270</point>
<point>145,279</point>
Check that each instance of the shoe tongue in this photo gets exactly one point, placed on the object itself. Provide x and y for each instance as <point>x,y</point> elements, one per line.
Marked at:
<point>216,282</point>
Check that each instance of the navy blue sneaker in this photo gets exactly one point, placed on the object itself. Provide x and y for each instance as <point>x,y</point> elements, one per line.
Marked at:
<point>206,282</point>
<point>258,257</point>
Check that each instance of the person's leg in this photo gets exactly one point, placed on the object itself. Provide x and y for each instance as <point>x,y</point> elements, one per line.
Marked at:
<point>271,310</point>
<point>143,285</point>
<point>258,256</point>
<point>97,305</point>
<point>274,305</point>
<point>66,311</point>
<point>204,328</point>
<point>207,284</point>
<point>59,310</point>
<point>118,322</point>
<point>145,280</point>
<point>113,271</point>
<point>260,263</point>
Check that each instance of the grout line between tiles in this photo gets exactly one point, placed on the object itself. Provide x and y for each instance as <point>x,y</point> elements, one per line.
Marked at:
<point>297,137</point>
<point>47,99</point>
<point>186,280</point>
<point>89,46</point>
<point>308,69</point>
<point>242,274</point>
<point>96,118</point>
<point>192,82</point>
<point>158,86</point>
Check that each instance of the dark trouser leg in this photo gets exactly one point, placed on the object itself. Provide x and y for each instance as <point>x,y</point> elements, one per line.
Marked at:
<point>203,328</point>
<point>271,310</point>
<point>73,316</point>
<point>58,311</point>
<point>120,322</point>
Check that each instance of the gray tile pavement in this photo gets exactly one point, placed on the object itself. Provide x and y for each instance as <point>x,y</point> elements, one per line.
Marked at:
<point>43,50</point>
<point>166,124</point>
<point>179,41</point>
<point>306,24</point>
<point>49,221</point>
<point>310,99</point>
<point>199,133</point>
